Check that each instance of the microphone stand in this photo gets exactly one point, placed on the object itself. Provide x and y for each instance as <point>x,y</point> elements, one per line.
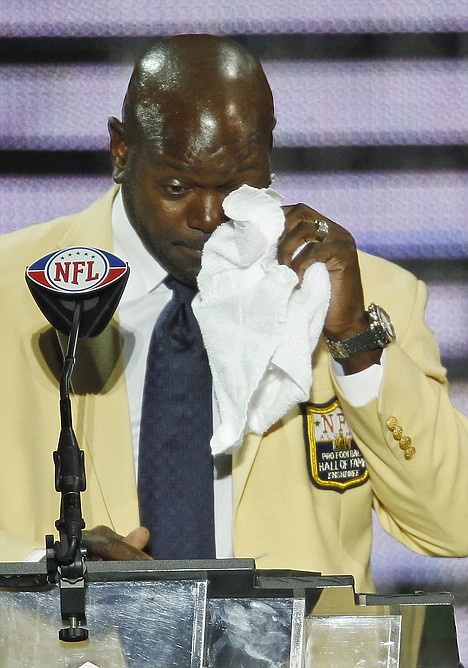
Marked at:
<point>52,282</point>
<point>65,557</point>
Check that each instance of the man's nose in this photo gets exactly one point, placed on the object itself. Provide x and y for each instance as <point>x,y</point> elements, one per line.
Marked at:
<point>207,212</point>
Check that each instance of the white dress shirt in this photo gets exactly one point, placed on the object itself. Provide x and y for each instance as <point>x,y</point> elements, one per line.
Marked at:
<point>142,301</point>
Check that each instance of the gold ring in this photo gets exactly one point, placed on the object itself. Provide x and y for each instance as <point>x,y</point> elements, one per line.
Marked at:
<point>321,230</point>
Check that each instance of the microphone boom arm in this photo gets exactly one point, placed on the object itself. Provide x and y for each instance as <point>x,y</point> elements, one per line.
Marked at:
<point>66,556</point>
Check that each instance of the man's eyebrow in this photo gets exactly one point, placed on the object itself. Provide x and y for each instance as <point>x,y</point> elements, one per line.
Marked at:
<point>158,162</point>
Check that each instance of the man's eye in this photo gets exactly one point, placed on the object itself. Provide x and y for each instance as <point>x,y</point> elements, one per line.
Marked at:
<point>175,189</point>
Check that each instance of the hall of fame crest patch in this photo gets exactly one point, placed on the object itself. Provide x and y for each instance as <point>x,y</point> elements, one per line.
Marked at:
<point>335,461</point>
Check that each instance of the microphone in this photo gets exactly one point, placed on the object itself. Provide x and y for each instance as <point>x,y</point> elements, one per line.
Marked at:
<point>91,276</point>
<point>78,290</point>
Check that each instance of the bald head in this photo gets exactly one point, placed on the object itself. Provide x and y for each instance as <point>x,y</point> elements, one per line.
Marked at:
<point>186,84</point>
<point>197,124</point>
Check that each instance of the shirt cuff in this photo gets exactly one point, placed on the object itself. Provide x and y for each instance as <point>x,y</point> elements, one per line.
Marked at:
<point>360,388</point>
<point>36,555</point>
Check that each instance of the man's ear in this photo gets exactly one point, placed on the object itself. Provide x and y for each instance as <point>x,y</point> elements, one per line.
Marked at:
<point>118,148</point>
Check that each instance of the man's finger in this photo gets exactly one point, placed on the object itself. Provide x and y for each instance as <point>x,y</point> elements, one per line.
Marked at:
<point>104,543</point>
<point>137,538</point>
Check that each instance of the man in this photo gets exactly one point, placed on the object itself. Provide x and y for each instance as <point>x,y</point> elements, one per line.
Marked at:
<point>197,124</point>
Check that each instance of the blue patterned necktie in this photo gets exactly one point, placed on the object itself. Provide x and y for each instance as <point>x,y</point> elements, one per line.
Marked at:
<point>175,465</point>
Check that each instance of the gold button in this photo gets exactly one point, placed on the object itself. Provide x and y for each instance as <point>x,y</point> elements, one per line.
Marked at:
<point>405,442</point>
<point>397,433</point>
<point>392,423</point>
<point>410,452</point>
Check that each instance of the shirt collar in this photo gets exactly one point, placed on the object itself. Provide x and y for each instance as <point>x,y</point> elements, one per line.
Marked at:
<point>146,274</point>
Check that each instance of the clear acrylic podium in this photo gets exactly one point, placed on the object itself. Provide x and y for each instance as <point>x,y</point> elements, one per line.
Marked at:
<point>221,614</point>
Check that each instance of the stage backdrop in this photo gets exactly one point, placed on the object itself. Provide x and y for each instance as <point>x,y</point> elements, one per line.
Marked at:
<point>372,106</point>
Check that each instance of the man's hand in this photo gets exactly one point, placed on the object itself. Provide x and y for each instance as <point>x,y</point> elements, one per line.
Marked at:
<point>103,543</point>
<point>346,315</point>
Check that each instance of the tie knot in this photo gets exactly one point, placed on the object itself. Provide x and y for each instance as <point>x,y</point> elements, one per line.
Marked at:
<point>180,292</point>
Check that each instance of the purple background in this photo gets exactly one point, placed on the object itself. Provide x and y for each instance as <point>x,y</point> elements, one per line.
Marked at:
<point>400,214</point>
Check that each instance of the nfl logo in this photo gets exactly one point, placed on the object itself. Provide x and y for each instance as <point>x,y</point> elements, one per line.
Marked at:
<point>76,270</point>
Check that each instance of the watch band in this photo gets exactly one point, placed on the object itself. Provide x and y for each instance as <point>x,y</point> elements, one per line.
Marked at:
<point>359,343</point>
<point>379,334</point>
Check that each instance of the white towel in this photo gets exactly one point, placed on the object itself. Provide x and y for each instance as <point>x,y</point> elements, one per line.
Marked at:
<point>258,328</point>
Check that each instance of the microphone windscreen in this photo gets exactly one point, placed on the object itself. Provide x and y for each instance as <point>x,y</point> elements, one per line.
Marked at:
<point>79,273</point>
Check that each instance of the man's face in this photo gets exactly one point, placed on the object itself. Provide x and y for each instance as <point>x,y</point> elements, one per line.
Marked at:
<point>173,195</point>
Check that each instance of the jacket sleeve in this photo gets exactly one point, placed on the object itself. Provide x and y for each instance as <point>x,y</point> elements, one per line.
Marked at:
<point>421,500</point>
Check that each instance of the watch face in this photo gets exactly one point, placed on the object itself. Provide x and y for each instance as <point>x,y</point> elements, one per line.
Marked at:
<point>382,320</point>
